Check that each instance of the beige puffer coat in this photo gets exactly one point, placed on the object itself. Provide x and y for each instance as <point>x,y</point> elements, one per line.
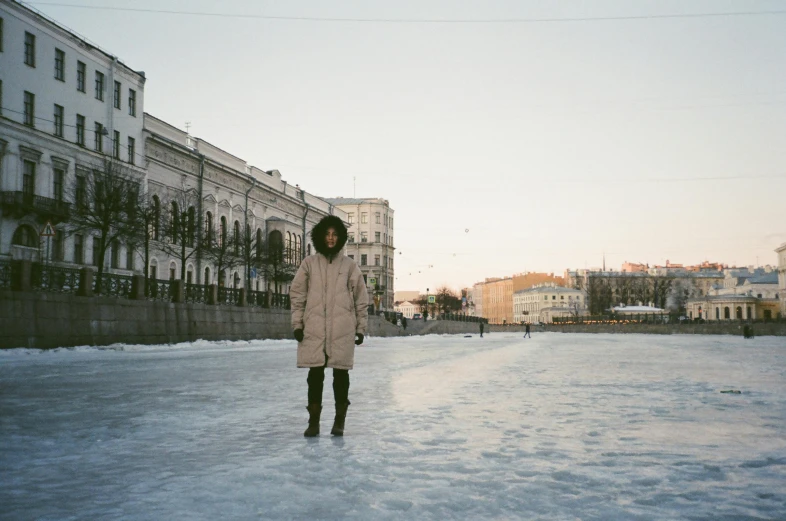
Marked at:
<point>330,304</point>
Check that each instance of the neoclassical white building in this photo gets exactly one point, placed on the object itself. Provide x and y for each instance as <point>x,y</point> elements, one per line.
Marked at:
<point>543,302</point>
<point>781,251</point>
<point>371,244</point>
<point>67,106</point>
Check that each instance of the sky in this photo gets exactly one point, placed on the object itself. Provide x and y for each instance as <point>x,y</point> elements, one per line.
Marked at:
<point>554,427</point>
<point>508,136</point>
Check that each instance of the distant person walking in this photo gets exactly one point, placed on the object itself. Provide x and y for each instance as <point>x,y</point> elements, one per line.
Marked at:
<point>329,318</point>
<point>526,330</point>
<point>404,322</point>
<point>481,329</point>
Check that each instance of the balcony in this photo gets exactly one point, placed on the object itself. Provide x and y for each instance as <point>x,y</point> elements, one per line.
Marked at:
<point>19,204</point>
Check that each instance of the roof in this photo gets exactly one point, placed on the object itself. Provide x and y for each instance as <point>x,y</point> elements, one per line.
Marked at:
<point>769,278</point>
<point>336,201</point>
<point>548,289</point>
<point>637,309</point>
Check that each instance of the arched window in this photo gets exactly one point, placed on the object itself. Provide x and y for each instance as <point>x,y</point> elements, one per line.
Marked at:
<point>748,312</point>
<point>222,278</point>
<point>717,313</point>
<point>288,254</point>
<point>207,276</point>
<point>154,269</point>
<point>259,243</point>
<point>25,236</point>
<point>309,249</point>
<point>208,228</point>
<point>236,237</point>
<point>191,233</point>
<point>738,312</point>
<point>175,223</point>
<point>236,280</point>
<point>156,218</point>
<point>190,274</point>
<point>222,232</point>
<point>299,249</point>
<point>726,312</point>
<point>275,245</point>
<point>172,270</point>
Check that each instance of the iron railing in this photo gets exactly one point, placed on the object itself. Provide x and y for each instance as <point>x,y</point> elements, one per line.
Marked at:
<point>257,298</point>
<point>279,300</point>
<point>26,202</point>
<point>115,285</point>
<point>159,290</point>
<point>55,279</point>
<point>6,274</point>
<point>228,296</point>
<point>196,293</point>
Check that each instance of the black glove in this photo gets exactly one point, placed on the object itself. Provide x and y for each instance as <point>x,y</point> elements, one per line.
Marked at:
<point>298,335</point>
<point>359,339</point>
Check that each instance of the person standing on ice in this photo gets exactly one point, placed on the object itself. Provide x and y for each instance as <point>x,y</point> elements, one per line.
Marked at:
<point>329,317</point>
<point>526,331</point>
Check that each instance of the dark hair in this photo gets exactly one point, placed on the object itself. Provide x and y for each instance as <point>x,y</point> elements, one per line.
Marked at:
<point>319,232</point>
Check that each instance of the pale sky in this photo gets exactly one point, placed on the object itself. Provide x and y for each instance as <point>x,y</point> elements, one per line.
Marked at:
<point>502,147</point>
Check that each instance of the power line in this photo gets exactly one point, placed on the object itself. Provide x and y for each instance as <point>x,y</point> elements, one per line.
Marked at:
<point>422,20</point>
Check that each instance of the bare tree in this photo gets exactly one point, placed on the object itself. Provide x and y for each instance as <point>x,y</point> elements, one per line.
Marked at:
<point>272,261</point>
<point>447,300</point>
<point>178,227</point>
<point>107,199</point>
<point>223,250</point>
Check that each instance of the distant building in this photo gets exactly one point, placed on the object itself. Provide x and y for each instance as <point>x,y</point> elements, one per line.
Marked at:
<point>544,302</point>
<point>371,244</point>
<point>744,294</point>
<point>407,309</point>
<point>497,300</point>
<point>530,279</point>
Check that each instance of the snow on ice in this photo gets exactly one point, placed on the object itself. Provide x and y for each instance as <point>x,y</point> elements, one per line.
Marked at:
<point>560,426</point>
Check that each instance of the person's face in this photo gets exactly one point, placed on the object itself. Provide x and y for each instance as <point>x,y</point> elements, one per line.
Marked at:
<point>331,238</point>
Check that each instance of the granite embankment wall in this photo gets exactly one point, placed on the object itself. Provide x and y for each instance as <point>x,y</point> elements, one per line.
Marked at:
<point>47,320</point>
<point>708,328</point>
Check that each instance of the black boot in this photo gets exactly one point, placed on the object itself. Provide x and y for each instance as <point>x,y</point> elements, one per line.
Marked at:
<point>341,415</point>
<point>314,411</point>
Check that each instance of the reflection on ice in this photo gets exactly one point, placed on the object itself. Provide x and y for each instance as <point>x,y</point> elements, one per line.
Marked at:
<point>441,427</point>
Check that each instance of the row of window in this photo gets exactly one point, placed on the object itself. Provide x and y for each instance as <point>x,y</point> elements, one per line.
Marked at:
<point>377,260</point>
<point>81,73</point>
<point>378,237</point>
<point>364,218</point>
<point>27,237</point>
<point>99,132</point>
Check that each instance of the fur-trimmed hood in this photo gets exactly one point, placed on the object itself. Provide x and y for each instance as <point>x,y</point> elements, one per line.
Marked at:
<point>320,230</point>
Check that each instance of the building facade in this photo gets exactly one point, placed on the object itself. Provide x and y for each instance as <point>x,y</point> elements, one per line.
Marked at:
<point>67,106</point>
<point>407,309</point>
<point>781,251</point>
<point>371,244</point>
<point>543,302</point>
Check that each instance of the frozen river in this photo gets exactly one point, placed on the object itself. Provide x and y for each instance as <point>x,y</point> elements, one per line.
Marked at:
<point>560,426</point>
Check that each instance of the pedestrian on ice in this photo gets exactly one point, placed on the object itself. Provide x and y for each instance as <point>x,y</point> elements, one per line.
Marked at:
<point>481,329</point>
<point>526,331</point>
<point>329,317</point>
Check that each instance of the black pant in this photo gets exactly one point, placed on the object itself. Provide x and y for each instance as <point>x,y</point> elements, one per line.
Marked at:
<point>316,377</point>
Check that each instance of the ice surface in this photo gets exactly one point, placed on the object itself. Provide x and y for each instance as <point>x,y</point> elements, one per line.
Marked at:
<point>557,427</point>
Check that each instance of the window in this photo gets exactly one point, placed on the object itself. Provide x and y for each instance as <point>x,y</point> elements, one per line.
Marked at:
<point>131,150</point>
<point>117,95</point>
<point>363,218</point>
<point>29,109</point>
<point>80,130</point>
<point>96,252</point>
<point>1,97</point>
<point>351,257</point>
<point>376,260</point>
<point>376,237</point>
<point>131,102</point>
<point>115,255</point>
<point>25,236</point>
<point>130,257</point>
<point>81,192</point>
<point>79,250</point>
<point>59,120</point>
<point>58,178</point>
<point>377,218</point>
<point>29,49</point>
<point>100,86</point>
<point>116,145</point>
<point>81,70</point>
<point>363,236</point>
<point>363,259</point>
<point>28,178</point>
<point>58,246</point>
<point>554,297</point>
<point>99,137</point>
<point>351,237</point>
<point>1,35</point>
<point>59,65</point>
<point>351,218</point>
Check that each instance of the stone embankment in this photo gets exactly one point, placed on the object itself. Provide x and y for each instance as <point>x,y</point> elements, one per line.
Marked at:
<point>708,328</point>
